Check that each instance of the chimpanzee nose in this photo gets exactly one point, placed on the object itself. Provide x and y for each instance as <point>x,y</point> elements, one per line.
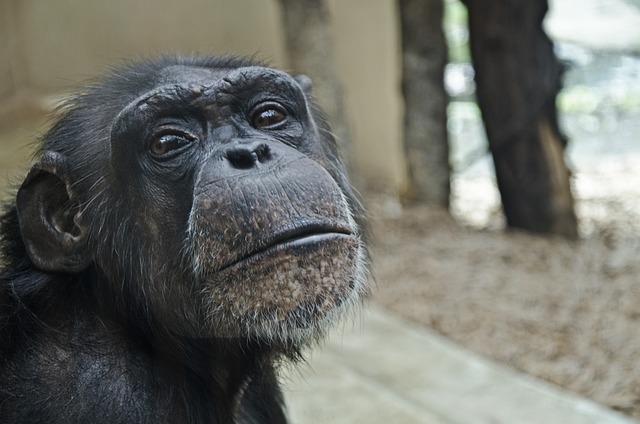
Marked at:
<point>247,156</point>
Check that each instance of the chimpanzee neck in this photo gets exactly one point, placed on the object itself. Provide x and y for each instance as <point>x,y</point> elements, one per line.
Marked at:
<point>216,372</point>
<point>209,375</point>
<point>222,369</point>
<point>213,371</point>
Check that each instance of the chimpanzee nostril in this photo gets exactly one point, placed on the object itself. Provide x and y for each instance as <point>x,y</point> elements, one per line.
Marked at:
<point>247,156</point>
<point>263,152</point>
<point>241,157</point>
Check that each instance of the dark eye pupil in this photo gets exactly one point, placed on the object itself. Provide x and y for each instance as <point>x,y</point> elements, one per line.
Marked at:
<point>268,117</point>
<point>166,143</point>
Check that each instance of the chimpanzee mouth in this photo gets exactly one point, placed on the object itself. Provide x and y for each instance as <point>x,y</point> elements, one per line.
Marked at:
<point>296,239</point>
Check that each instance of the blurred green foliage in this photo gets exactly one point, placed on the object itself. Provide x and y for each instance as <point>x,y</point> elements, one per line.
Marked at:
<point>456,31</point>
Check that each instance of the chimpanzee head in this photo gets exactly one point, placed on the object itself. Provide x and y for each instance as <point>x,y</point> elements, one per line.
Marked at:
<point>204,195</point>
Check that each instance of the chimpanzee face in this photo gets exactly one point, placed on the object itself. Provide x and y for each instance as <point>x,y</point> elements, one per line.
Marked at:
<point>230,215</point>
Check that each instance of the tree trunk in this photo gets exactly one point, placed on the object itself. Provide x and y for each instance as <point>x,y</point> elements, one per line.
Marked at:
<point>424,57</point>
<point>310,51</point>
<point>518,78</point>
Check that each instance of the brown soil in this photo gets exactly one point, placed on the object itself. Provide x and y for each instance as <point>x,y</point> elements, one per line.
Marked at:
<point>567,312</point>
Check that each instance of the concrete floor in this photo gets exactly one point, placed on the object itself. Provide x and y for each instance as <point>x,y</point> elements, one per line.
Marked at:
<point>385,370</point>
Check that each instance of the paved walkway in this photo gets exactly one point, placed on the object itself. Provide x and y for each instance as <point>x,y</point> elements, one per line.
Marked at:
<point>385,370</point>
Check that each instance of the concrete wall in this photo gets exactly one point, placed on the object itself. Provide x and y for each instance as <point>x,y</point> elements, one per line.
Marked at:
<point>11,56</point>
<point>50,46</point>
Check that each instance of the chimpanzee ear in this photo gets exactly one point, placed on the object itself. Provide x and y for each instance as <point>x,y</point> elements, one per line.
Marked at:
<point>305,84</point>
<point>48,218</point>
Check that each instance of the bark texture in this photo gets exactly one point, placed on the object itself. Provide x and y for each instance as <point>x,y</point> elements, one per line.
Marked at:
<point>424,57</point>
<point>518,78</point>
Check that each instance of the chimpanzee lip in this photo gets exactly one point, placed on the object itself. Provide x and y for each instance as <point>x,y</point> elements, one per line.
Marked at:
<point>292,239</point>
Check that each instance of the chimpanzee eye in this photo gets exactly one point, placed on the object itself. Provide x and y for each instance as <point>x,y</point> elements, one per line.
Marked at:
<point>164,144</point>
<point>269,116</point>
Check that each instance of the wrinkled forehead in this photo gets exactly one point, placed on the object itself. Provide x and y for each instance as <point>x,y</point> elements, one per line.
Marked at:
<point>207,78</point>
<point>189,88</point>
<point>187,83</point>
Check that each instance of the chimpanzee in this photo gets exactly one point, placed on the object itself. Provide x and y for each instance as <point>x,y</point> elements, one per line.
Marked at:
<point>186,227</point>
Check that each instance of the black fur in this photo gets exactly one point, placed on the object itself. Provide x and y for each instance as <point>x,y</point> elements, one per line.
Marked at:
<point>83,335</point>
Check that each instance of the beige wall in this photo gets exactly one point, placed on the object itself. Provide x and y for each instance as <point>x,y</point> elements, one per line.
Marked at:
<point>367,50</point>
<point>50,46</point>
